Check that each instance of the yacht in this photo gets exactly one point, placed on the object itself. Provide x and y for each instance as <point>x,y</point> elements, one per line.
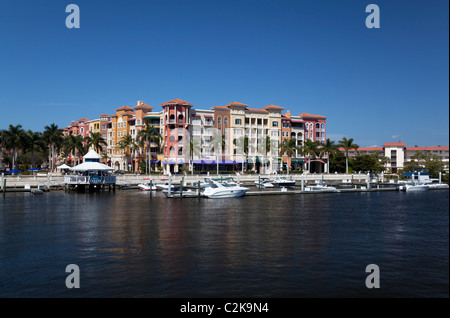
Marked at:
<point>223,189</point>
<point>415,187</point>
<point>264,183</point>
<point>283,182</point>
<point>146,187</point>
<point>320,187</point>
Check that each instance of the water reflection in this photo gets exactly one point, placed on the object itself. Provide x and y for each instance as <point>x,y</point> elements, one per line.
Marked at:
<point>131,244</point>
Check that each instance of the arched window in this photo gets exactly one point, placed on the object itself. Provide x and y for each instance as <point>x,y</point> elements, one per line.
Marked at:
<point>225,120</point>
<point>172,150</point>
<point>317,126</point>
<point>180,119</point>
<point>172,118</point>
<point>172,139</point>
<point>219,119</point>
<point>323,126</point>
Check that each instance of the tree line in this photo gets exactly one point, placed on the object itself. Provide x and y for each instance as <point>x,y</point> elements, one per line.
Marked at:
<point>26,149</point>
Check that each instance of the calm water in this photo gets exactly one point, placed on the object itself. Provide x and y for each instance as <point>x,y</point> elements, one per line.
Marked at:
<point>128,245</point>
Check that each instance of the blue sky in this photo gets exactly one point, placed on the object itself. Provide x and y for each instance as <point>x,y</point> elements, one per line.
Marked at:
<point>374,85</point>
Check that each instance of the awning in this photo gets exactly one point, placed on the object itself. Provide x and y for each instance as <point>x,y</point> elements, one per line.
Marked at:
<point>197,162</point>
<point>164,162</point>
<point>155,161</point>
<point>180,162</point>
<point>240,160</point>
<point>208,162</point>
<point>171,162</point>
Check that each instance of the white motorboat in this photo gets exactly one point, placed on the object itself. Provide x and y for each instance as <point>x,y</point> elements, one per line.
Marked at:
<point>264,183</point>
<point>283,182</point>
<point>146,187</point>
<point>320,187</point>
<point>438,185</point>
<point>222,189</point>
<point>412,187</point>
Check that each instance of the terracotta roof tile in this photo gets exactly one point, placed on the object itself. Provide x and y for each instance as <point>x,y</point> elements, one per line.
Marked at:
<point>236,104</point>
<point>394,144</point>
<point>257,110</point>
<point>310,115</point>
<point>273,106</point>
<point>176,101</point>
<point>124,108</point>
<point>426,148</point>
<point>220,107</point>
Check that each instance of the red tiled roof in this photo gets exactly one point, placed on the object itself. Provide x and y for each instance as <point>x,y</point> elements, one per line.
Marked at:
<point>273,106</point>
<point>364,149</point>
<point>83,119</point>
<point>310,115</point>
<point>220,107</point>
<point>236,104</point>
<point>104,115</point>
<point>257,110</point>
<point>426,148</point>
<point>386,144</point>
<point>176,101</point>
<point>124,108</point>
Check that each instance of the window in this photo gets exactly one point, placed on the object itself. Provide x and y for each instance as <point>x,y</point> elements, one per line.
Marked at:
<point>274,124</point>
<point>180,119</point>
<point>219,120</point>
<point>172,150</point>
<point>172,139</point>
<point>138,122</point>
<point>238,121</point>
<point>225,120</point>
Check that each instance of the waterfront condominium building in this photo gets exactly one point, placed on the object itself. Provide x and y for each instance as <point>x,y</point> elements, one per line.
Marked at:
<point>398,154</point>
<point>232,137</point>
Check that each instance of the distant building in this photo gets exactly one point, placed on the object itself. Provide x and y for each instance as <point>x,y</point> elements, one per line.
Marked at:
<point>399,154</point>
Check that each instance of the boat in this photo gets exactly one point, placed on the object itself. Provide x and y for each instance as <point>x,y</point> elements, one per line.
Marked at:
<point>438,185</point>
<point>223,189</point>
<point>146,187</point>
<point>413,186</point>
<point>283,182</point>
<point>320,187</point>
<point>264,183</point>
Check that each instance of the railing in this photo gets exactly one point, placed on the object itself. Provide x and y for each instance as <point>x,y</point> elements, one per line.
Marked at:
<point>89,179</point>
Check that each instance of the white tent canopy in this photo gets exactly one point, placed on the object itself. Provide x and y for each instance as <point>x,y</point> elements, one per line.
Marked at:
<point>91,166</point>
<point>91,155</point>
<point>63,166</point>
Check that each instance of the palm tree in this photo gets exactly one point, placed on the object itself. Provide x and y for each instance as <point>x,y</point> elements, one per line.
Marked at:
<point>330,148</point>
<point>124,144</point>
<point>311,149</point>
<point>13,139</point>
<point>78,147</point>
<point>194,149</point>
<point>33,141</point>
<point>146,136</point>
<point>241,143</point>
<point>289,148</point>
<point>96,141</point>
<point>217,145</point>
<point>347,144</point>
<point>54,138</point>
